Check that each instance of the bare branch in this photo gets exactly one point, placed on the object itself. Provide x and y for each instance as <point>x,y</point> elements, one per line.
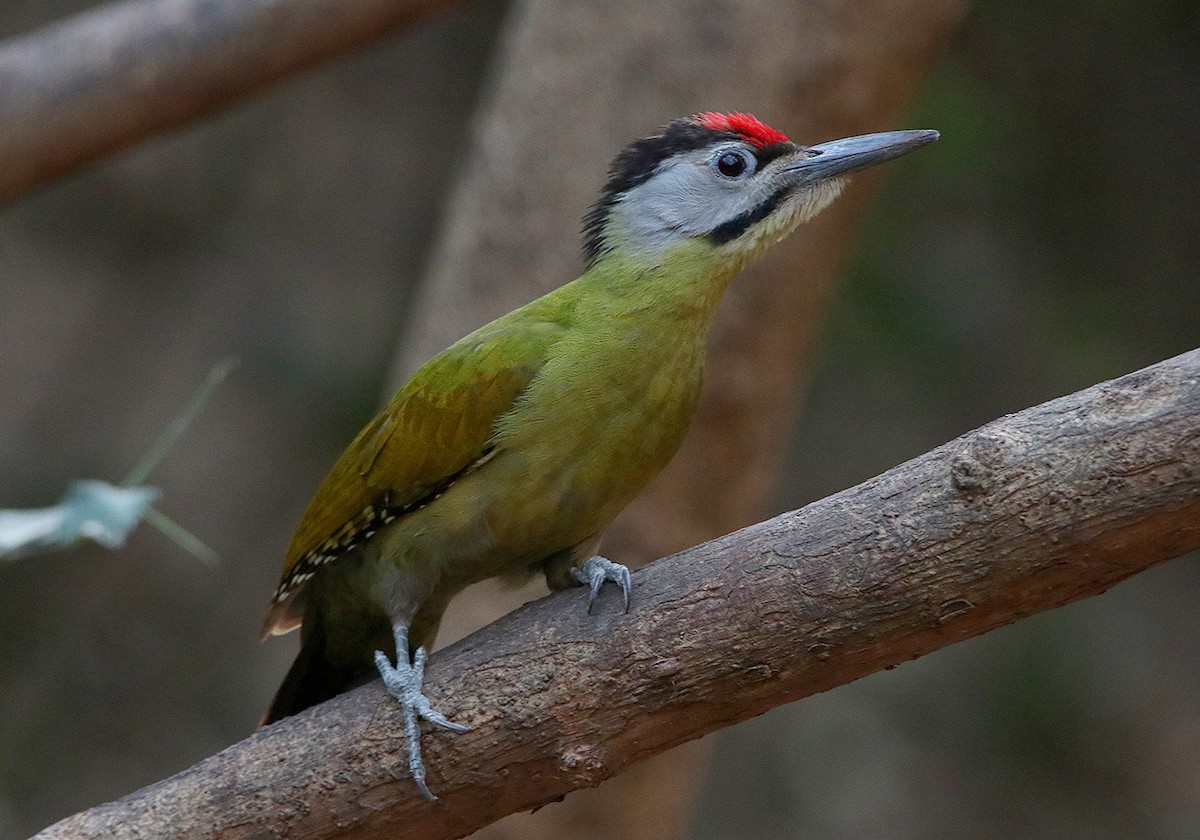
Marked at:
<point>1030,512</point>
<point>107,78</point>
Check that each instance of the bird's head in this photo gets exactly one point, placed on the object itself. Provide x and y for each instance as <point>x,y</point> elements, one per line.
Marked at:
<point>728,181</point>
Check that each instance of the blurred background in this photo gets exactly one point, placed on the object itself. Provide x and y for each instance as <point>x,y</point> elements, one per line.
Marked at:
<point>1048,242</point>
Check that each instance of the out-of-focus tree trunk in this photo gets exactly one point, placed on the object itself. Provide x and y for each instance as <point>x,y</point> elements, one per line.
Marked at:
<point>573,82</point>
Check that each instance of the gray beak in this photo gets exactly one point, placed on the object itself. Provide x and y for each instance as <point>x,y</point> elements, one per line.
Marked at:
<point>838,156</point>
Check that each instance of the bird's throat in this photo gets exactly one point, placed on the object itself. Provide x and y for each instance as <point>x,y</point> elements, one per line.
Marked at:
<point>678,290</point>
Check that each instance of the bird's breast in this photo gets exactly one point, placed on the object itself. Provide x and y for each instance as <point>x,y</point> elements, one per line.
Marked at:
<point>598,423</point>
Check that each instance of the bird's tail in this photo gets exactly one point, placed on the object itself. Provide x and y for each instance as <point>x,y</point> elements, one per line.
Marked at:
<point>312,678</point>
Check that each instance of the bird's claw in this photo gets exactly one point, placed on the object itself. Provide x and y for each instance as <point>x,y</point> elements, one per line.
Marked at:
<point>598,569</point>
<point>403,682</point>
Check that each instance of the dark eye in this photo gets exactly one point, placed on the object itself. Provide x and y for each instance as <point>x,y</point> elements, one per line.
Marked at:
<point>734,163</point>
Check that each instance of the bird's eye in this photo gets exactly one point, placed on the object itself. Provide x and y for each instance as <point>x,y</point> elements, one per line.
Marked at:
<point>734,163</point>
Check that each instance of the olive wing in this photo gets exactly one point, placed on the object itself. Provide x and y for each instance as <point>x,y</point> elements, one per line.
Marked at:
<point>431,432</point>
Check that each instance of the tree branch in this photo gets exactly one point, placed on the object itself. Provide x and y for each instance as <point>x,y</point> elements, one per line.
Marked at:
<point>1030,512</point>
<point>106,78</point>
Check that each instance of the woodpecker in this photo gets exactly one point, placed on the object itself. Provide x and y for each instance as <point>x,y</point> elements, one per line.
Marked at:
<point>510,452</point>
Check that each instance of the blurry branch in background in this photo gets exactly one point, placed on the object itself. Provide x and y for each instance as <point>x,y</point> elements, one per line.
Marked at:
<point>104,513</point>
<point>179,425</point>
<point>1030,512</point>
<point>109,77</point>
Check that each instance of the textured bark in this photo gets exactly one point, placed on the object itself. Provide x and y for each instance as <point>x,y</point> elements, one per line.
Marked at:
<point>102,80</point>
<point>1030,512</point>
<point>573,83</point>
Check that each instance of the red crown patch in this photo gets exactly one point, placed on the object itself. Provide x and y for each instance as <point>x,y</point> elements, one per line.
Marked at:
<point>750,128</point>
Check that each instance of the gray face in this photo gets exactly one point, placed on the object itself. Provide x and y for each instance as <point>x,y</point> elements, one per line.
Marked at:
<point>690,183</point>
<point>716,192</point>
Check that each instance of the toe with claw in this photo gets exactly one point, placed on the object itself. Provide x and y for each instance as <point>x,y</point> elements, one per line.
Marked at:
<point>598,569</point>
<point>403,682</point>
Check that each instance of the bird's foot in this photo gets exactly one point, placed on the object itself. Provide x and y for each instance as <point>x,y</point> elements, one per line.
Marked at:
<point>403,682</point>
<point>598,569</point>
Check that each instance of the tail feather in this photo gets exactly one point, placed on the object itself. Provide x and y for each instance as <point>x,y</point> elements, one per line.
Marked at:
<point>312,679</point>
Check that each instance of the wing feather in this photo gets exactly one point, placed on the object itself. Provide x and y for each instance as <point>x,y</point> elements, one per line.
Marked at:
<point>434,428</point>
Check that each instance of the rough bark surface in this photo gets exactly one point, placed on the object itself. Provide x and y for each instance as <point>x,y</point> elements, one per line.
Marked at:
<point>573,82</point>
<point>1027,513</point>
<point>104,79</point>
